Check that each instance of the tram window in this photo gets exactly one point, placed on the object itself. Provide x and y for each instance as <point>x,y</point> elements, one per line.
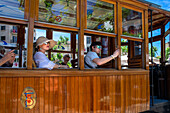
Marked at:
<point>61,12</point>
<point>63,40</point>
<point>62,58</point>
<point>9,41</point>
<point>106,49</point>
<point>87,42</point>
<point>37,33</point>
<point>66,45</point>
<point>131,23</point>
<point>131,54</point>
<point>156,52</point>
<point>12,8</point>
<point>100,16</point>
<point>167,49</point>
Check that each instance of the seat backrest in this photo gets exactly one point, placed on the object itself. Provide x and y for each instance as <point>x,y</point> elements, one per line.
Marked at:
<point>74,63</point>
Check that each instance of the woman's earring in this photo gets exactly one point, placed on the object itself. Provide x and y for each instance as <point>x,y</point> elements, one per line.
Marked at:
<point>40,48</point>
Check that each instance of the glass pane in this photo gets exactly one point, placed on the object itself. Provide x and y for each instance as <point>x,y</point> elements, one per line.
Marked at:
<point>63,41</point>
<point>61,12</point>
<point>156,52</point>
<point>131,23</point>
<point>12,8</point>
<point>100,16</point>
<point>154,33</point>
<point>8,42</point>
<point>167,48</point>
<point>138,48</point>
<point>87,43</point>
<point>62,58</point>
<point>167,26</point>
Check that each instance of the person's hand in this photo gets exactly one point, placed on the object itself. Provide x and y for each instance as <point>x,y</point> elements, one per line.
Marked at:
<point>12,60</point>
<point>116,53</point>
<point>10,56</point>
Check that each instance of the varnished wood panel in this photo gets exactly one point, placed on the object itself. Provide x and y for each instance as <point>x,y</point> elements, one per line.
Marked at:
<point>69,94</point>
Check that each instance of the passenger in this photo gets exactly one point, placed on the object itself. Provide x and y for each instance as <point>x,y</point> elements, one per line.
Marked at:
<point>7,60</point>
<point>92,60</point>
<point>41,60</point>
<point>66,58</point>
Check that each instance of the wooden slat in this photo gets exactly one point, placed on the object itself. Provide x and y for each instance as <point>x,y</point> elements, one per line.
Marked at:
<point>3,95</point>
<point>147,92</point>
<point>137,93</point>
<point>133,94</point>
<point>46,95</point>
<point>64,96</point>
<point>118,95</point>
<point>81,36</point>
<point>134,3</point>
<point>81,94</point>
<point>114,92</point>
<point>85,98</point>
<point>78,13</point>
<point>30,34</point>
<point>69,94</point>
<point>51,95</point>
<point>41,94</point>
<point>14,95</point>
<point>56,90</point>
<point>20,90</point>
<point>72,94</point>
<point>8,95</point>
<point>77,94</point>
<point>36,9</point>
<point>12,21</point>
<point>122,93</point>
<point>145,48</point>
<point>98,94</point>
<point>37,91</point>
<point>108,100</point>
<point>162,45</point>
<point>54,26</point>
<point>60,98</point>
<point>26,9</point>
<point>132,38</point>
<point>72,72</point>
<point>87,31</point>
<point>128,95</point>
<point>102,87</point>
<point>119,32</point>
<point>95,94</point>
<point>111,94</point>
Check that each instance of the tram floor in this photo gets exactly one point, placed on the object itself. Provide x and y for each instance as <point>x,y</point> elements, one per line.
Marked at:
<point>160,106</point>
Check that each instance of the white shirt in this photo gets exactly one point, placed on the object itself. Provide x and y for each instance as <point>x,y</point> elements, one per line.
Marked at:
<point>42,61</point>
<point>89,59</point>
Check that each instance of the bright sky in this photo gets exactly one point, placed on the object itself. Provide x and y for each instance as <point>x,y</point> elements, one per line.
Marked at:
<point>165,4</point>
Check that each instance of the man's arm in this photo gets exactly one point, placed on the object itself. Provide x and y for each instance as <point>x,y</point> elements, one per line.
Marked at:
<point>100,61</point>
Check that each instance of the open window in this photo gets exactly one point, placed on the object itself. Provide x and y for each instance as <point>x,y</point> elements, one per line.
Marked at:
<point>12,37</point>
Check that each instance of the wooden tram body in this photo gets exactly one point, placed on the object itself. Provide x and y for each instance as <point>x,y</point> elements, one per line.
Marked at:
<point>79,89</point>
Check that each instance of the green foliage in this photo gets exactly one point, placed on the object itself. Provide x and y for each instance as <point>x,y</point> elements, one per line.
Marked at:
<point>134,35</point>
<point>60,46</point>
<point>167,53</point>
<point>154,49</point>
<point>125,13</point>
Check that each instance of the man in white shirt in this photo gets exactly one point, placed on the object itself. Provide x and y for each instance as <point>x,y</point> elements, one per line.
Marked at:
<point>92,60</point>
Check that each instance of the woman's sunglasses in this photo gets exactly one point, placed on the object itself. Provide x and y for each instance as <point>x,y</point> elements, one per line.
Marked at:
<point>46,43</point>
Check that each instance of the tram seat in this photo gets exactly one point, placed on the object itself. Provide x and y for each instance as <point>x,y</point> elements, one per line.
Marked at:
<point>74,63</point>
<point>33,64</point>
<point>135,62</point>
